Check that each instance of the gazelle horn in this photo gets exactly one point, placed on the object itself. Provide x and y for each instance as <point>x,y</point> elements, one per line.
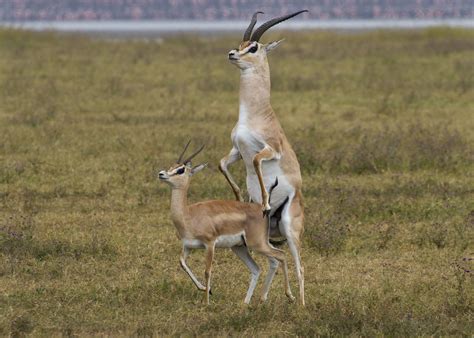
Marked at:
<point>248,32</point>
<point>193,155</point>
<point>263,28</point>
<point>182,153</point>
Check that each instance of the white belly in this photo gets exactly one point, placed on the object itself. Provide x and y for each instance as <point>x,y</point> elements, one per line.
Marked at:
<point>224,241</point>
<point>228,241</point>
<point>279,194</point>
<point>249,144</point>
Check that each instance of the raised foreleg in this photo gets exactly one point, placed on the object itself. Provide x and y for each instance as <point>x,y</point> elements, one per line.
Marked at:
<point>231,158</point>
<point>266,154</point>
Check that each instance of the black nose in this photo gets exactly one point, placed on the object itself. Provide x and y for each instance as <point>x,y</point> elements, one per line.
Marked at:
<point>231,54</point>
<point>161,175</point>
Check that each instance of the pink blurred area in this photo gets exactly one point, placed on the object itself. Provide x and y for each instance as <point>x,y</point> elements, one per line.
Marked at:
<point>31,10</point>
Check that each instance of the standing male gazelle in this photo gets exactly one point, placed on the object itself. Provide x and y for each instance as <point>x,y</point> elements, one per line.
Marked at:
<point>259,140</point>
<point>220,224</point>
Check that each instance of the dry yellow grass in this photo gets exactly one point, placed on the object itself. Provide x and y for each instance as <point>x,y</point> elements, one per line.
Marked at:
<point>382,123</point>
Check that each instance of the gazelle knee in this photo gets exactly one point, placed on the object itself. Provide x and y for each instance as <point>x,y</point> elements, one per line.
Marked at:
<point>274,263</point>
<point>222,165</point>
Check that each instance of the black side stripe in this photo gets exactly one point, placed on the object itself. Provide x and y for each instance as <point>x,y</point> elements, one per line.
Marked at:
<point>243,240</point>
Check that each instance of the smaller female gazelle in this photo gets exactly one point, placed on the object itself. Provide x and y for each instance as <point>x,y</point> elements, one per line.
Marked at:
<point>220,224</point>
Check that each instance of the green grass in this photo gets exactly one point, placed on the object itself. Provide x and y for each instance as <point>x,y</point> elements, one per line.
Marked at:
<point>382,123</point>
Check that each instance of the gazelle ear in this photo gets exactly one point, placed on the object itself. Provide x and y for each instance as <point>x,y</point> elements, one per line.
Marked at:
<point>198,168</point>
<point>272,45</point>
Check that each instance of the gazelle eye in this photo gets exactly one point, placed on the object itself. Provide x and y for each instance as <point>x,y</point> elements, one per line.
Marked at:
<point>253,49</point>
<point>180,171</point>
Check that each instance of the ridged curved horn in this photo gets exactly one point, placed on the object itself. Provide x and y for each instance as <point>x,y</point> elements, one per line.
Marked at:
<point>248,32</point>
<point>182,153</point>
<point>193,155</point>
<point>263,28</point>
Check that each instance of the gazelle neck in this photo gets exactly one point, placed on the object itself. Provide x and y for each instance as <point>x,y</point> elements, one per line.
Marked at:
<point>179,208</point>
<point>254,91</point>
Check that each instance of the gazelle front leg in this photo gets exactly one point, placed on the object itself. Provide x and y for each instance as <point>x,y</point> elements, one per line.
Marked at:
<point>182,262</point>
<point>209,257</point>
<point>266,154</point>
<point>232,157</point>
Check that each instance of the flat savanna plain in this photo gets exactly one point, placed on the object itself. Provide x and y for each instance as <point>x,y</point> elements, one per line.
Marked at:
<point>382,123</point>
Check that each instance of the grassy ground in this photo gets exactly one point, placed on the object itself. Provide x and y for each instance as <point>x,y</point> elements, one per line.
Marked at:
<point>382,123</point>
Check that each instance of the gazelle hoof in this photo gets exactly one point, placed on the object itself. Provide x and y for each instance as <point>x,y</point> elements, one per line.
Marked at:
<point>266,211</point>
<point>204,290</point>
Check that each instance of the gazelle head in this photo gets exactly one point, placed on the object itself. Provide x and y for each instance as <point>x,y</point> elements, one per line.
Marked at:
<point>251,52</point>
<point>178,175</point>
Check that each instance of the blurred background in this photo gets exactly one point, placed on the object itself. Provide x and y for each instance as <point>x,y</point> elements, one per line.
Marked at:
<point>198,15</point>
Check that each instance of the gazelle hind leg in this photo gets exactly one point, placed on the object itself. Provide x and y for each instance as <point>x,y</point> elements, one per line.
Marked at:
<point>279,255</point>
<point>282,260</point>
<point>291,227</point>
<point>294,247</point>
<point>243,253</point>
<point>273,266</point>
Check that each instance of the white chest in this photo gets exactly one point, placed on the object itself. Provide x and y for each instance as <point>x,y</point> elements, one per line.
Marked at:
<point>248,142</point>
<point>245,138</point>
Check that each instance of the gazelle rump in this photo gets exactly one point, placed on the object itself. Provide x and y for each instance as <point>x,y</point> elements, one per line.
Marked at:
<point>220,224</point>
<point>260,141</point>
